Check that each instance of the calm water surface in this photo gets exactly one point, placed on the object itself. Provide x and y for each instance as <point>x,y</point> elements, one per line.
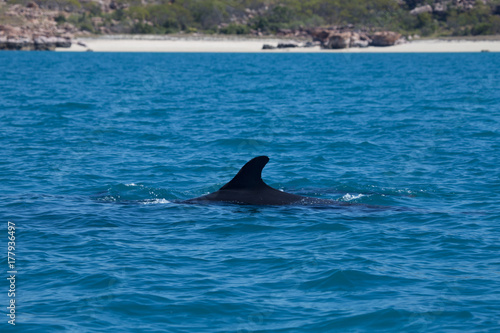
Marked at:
<point>97,150</point>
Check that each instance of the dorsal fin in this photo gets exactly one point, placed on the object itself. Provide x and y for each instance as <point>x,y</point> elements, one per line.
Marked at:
<point>249,175</point>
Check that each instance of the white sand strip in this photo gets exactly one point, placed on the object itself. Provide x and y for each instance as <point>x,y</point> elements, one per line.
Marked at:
<point>109,44</point>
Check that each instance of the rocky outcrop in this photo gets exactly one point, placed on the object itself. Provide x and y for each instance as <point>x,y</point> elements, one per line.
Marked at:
<point>341,39</point>
<point>287,45</point>
<point>338,40</point>
<point>439,8</point>
<point>39,30</point>
<point>465,4</point>
<point>40,43</point>
<point>360,40</point>
<point>15,38</point>
<point>385,38</point>
<point>345,38</point>
<point>421,10</point>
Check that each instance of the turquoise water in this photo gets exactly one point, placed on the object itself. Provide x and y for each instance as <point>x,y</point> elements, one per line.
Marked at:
<point>98,150</point>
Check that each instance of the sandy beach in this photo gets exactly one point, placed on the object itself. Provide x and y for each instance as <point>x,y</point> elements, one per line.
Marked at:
<point>249,45</point>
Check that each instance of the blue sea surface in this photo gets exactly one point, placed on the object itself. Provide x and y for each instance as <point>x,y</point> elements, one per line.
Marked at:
<point>99,149</point>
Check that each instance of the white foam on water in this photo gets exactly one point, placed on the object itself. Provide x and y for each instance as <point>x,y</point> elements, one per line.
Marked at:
<point>349,197</point>
<point>156,201</point>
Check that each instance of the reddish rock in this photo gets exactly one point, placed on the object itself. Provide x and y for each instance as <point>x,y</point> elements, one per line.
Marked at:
<point>15,38</point>
<point>384,38</point>
<point>320,35</point>
<point>338,40</point>
<point>421,10</point>
<point>359,39</point>
<point>32,4</point>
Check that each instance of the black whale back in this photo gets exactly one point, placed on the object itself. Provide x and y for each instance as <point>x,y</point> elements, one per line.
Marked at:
<point>248,188</point>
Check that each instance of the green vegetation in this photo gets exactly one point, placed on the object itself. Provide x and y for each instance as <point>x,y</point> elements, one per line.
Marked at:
<point>235,29</point>
<point>67,5</point>
<point>478,21</point>
<point>272,16</point>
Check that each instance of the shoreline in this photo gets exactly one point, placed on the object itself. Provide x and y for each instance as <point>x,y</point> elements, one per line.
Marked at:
<point>237,44</point>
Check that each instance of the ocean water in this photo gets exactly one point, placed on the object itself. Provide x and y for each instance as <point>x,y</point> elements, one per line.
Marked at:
<point>98,150</point>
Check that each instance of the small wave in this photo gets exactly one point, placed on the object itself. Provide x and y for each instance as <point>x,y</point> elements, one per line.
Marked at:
<point>133,193</point>
<point>155,201</point>
<point>391,319</point>
<point>337,279</point>
<point>350,197</point>
<point>106,198</point>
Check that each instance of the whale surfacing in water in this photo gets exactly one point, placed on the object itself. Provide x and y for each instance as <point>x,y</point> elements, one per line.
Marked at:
<point>248,188</point>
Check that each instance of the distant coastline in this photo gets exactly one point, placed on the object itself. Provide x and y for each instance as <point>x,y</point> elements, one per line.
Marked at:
<point>354,26</point>
<point>252,44</point>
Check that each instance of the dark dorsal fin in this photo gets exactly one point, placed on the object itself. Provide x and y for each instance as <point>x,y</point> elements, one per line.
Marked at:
<point>249,176</point>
